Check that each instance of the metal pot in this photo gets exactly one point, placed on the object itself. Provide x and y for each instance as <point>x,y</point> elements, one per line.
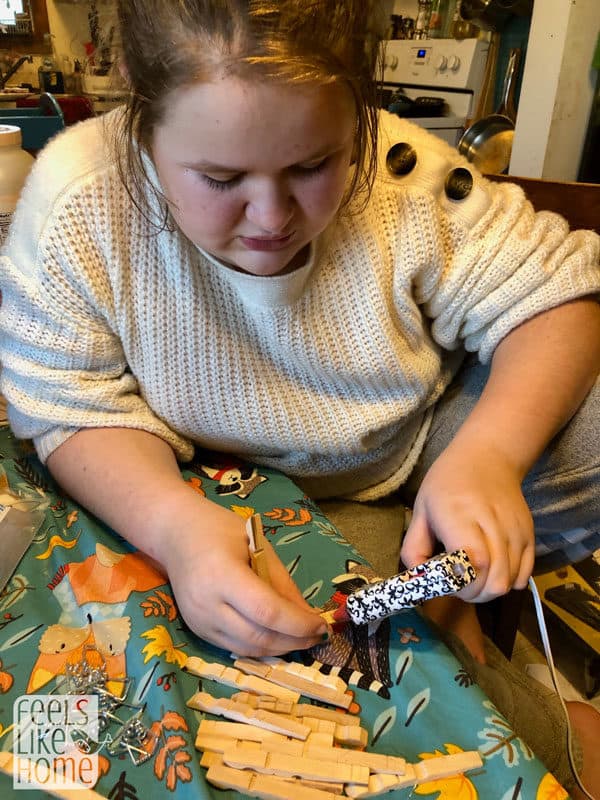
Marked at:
<point>492,14</point>
<point>488,142</point>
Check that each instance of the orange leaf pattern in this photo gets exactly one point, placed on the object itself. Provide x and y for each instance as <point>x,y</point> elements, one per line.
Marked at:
<point>6,680</point>
<point>172,778</point>
<point>171,759</point>
<point>196,485</point>
<point>159,604</point>
<point>289,516</point>
<point>172,721</point>
<point>103,765</point>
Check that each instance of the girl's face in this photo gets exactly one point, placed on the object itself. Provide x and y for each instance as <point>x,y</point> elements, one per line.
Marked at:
<point>254,172</point>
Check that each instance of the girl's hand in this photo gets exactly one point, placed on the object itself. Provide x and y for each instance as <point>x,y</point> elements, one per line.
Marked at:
<point>223,600</point>
<point>471,498</point>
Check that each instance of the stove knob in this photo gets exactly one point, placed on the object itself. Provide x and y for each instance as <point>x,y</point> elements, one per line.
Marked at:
<point>442,63</point>
<point>454,63</point>
<point>392,64</point>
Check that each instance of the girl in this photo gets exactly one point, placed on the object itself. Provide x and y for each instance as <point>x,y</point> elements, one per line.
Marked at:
<point>249,258</point>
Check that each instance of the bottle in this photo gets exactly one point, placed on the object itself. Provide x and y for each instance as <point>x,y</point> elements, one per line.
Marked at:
<point>77,78</point>
<point>408,28</point>
<point>437,20</point>
<point>50,79</point>
<point>422,22</point>
<point>67,73</point>
<point>15,164</point>
<point>449,21</point>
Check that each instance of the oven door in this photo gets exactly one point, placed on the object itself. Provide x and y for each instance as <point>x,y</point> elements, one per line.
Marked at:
<point>450,129</point>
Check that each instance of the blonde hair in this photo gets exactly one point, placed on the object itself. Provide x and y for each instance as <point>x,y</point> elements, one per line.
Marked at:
<point>169,45</point>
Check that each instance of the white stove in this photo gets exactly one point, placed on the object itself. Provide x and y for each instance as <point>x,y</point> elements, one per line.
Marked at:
<point>450,69</point>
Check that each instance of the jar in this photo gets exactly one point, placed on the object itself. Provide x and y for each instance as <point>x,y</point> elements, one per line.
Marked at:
<point>15,164</point>
<point>462,28</point>
<point>396,31</point>
<point>408,28</point>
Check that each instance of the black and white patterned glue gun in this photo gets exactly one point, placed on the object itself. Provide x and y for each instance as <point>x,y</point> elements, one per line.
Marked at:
<point>443,574</point>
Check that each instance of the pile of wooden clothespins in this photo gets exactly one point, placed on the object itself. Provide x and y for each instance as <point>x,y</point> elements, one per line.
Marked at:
<point>270,745</point>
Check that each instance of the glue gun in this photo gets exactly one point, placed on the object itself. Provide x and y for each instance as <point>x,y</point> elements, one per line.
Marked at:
<point>443,574</point>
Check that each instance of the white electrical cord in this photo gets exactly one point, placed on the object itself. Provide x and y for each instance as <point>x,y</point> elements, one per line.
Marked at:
<point>548,652</point>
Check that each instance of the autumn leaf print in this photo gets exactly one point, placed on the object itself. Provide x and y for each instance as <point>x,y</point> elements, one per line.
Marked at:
<point>103,765</point>
<point>383,723</point>
<point>159,604</point>
<point>161,644</point>
<point>291,538</point>
<point>403,664</point>
<point>243,511</point>
<point>416,705</point>
<point>171,762</point>
<point>172,721</point>
<point>312,591</point>
<point>14,590</point>
<point>122,790</point>
<point>500,739</point>
<point>196,484</point>
<point>290,516</point>
<point>550,789</point>
<point>6,679</point>
<point>56,541</point>
<point>453,787</point>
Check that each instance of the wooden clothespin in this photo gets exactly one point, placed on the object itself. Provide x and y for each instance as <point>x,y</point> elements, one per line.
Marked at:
<point>256,543</point>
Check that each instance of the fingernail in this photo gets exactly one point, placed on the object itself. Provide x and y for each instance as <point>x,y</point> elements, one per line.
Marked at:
<point>325,636</point>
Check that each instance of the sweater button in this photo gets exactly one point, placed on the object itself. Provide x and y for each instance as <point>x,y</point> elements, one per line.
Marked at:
<point>458,184</point>
<point>401,159</point>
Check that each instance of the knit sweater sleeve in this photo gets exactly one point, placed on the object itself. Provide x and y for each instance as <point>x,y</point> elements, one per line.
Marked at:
<point>63,365</point>
<point>483,264</point>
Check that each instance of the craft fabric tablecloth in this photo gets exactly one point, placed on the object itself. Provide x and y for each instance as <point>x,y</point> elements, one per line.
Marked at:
<point>80,583</point>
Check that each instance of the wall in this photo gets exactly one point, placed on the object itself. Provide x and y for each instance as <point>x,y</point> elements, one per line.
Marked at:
<point>408,8</point>
<point>69,27</point>
<point>557,89</point>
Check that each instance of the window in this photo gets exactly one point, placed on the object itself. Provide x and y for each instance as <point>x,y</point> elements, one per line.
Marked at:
<point>23,25</point>
<point>8,11</point>
<point>14,16</point>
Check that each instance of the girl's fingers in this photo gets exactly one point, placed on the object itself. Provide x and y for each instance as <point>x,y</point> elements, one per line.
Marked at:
<point>500,546</point>
<point>526,567</point>
<point>477,548</point>
<point>511,548</point>
<point>235,632</point>
<point>263,605</point>
<point>282,581</point>
<point>419,541</point>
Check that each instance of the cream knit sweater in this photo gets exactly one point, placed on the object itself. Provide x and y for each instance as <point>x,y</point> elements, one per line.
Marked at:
<point>328,374</point>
